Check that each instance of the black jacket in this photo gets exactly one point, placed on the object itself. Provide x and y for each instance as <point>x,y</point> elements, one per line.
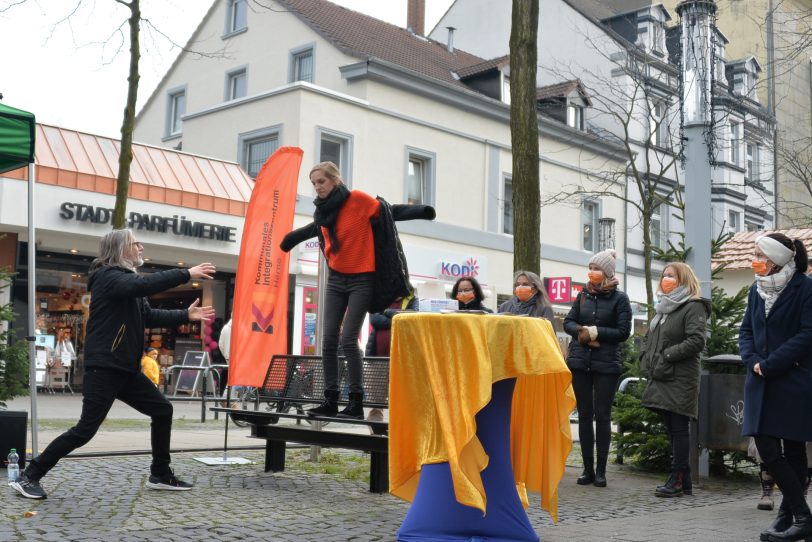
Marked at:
<point>391,278</point>
<point>473,305</point>
<point>119,312</point>
<point>612,315</point>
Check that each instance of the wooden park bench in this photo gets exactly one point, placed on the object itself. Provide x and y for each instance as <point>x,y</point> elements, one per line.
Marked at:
<point>293,383</point>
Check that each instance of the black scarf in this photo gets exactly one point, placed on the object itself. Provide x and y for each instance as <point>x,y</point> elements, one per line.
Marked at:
<point>327,212</point>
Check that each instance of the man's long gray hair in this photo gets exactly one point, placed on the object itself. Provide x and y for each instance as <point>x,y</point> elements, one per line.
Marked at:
<point>111,250</point>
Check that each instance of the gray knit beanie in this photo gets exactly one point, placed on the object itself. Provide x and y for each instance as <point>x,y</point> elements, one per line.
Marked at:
<point>605,259</point>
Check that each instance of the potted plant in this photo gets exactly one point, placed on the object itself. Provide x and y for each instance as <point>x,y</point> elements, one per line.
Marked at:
<point>13,378</point>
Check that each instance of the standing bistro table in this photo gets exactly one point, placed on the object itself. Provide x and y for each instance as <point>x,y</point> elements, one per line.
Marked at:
<point>445,370</point>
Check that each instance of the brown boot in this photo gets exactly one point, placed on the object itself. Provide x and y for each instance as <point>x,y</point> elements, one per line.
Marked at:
<point>767,487</point>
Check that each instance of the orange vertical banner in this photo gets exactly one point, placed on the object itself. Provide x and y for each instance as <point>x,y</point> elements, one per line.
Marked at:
<point>259,327</point>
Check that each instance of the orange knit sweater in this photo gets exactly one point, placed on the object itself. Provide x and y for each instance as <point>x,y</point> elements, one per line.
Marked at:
<point>356,252</point>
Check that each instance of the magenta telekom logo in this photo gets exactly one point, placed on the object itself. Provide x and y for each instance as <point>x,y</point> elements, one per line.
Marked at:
<point>468,269</point>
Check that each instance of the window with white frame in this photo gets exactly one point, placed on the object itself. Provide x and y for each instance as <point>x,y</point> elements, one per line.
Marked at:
<point>659,125</point>
<point>336,148</point>
<point>505,89</point>
<point>751,167</point>
<point>419,178</point>
<point>589,224</point>
<point>659,227</point>
<point>256,147</point>
<point>575,116</point>
<point>749,226</point>
<point>236,84</point>
<point>507,205</point>
<point>176,108</point>
<point>236,16</point>
<point>301,65</point>
<point>733,221</point>
<point>735,143</point>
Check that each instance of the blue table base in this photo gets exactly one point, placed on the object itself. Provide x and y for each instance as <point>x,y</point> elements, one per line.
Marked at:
<point>435,513</point>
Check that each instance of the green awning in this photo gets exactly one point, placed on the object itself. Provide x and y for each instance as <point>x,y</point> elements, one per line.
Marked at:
<point>16,138</point>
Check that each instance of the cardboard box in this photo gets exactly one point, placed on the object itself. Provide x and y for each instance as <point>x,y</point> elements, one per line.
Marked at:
<point>427,304</point>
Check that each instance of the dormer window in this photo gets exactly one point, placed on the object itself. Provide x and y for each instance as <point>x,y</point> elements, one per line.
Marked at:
<point>743,75</point>
<point>506,89</point>
<point>575,116</point>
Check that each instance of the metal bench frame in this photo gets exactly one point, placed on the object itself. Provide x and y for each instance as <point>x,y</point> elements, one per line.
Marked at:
<point>299,380</point>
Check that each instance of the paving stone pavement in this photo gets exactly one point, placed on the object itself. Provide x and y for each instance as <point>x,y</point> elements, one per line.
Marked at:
<point>104,498</point>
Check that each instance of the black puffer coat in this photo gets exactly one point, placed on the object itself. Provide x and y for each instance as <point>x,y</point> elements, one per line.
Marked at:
<point>612,315</point>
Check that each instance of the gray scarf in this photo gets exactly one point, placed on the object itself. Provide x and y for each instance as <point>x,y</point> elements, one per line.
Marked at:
<point>668,303</point>
<point>771,286</point>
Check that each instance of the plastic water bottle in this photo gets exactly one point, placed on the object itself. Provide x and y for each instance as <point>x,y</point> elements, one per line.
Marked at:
<point>13,466</point>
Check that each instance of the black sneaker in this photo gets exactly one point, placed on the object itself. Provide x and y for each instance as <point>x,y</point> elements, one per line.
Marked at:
<point>168,482</point>
<point>28,488</point>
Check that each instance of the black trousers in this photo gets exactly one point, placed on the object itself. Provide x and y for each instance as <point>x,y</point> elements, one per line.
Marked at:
<point>346,303</point>
<point>594,393</point>
<point>677,426</point>
<point>785,460</point>
<point>100,388</point>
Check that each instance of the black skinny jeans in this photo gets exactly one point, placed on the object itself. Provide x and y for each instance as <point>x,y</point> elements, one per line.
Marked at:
<point>346,303</point>
<point>677,426</point>
<point>100,388</point>
<point>594,394</point>
<point>788,469</point>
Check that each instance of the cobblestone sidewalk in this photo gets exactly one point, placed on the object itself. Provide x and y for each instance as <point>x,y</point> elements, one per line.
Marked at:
<point>104,499</point>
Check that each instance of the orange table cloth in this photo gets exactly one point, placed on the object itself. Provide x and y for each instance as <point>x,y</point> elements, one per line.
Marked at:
<point>442,369</point>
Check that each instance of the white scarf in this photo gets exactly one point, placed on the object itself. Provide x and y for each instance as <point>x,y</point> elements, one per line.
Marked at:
<point>771,286</point>
<point>668,303</point>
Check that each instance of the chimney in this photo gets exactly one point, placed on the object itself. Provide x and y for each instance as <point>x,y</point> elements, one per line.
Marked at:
<point>451,30</point>
<point>416,17</point>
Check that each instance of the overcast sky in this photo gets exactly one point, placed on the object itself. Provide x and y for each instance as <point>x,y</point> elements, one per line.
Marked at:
<point>53,65</point>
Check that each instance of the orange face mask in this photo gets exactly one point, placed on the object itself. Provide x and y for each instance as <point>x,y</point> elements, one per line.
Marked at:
<point>760,267</point>
<point>667,284</point>
<point>465,297</point>
<point>595,277</point>
<point>523,293</point>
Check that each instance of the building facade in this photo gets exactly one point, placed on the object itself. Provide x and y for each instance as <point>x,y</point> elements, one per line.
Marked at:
<point>405,117</point>
<point>626,53</point>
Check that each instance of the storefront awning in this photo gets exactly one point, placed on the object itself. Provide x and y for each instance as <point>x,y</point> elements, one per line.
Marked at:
<point>82,161</point>
<point>16,138</point>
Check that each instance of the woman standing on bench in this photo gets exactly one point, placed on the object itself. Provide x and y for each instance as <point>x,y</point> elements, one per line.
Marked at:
<point>346,222</point>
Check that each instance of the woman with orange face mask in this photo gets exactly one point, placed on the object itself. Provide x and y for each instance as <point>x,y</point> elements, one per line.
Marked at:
<point>529,297</point>
<point>775,342</point>
<point>468,294</point>
<point>670,357</point>
<point>598,322</point>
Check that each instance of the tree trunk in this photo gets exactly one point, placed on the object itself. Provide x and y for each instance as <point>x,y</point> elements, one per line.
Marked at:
<point>524,136</point>
<point>126,154</point>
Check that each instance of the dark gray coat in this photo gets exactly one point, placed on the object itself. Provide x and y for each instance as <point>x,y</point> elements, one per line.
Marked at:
<point>670,359</point>
<point>779,403</point>
<point>612,315</point>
